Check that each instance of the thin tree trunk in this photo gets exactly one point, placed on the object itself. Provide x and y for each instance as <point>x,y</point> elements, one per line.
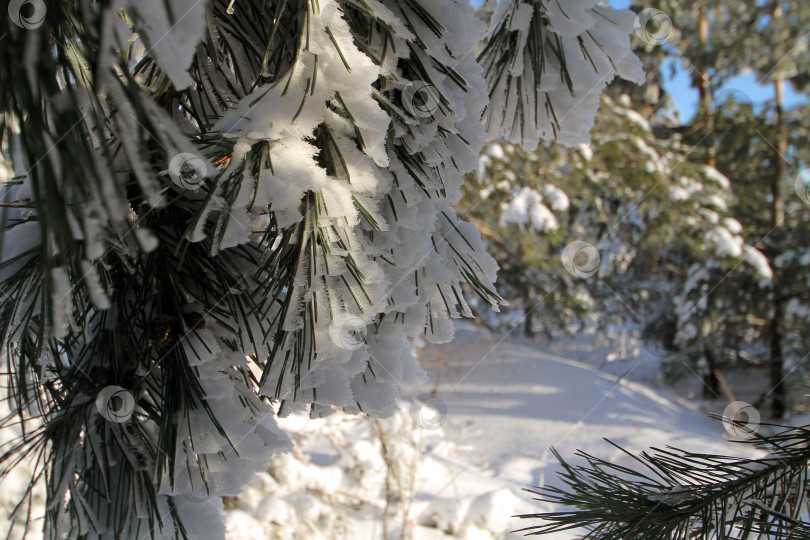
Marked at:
<point>778,204</point>
<point>705,91</point>
<point>529,307</point>
<point>711,384</point>
<point>779,398</point>
<point>528,324</point>
<point>528,328</point>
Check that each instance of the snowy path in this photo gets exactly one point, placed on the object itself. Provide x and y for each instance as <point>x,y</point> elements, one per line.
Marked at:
<point>510,403</point>
<point>507,403</point>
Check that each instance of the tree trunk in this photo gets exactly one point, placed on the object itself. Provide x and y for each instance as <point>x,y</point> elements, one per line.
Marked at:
<point>528,321</point>
<point>711,384</point>
<point>528,328</point>
<point>777,204</point>
<point>778,396</point>
<point>705,91</point>
<point>778,400</point>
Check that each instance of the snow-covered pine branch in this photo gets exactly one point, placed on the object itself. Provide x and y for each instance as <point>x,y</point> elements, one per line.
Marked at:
<point>546,65</point>
<point>672,493</point>
<point>216,203</point>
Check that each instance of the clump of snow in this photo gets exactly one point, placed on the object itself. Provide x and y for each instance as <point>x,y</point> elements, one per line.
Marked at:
<point>755,258</point>
<point>678,193</point>
<point>587,151</point>
<point>633,117</point>
<point>724,243</point>
<point>527,209</point>
<point>483,165</point>
<point>717,201</point>
<point>733,226</point>
<point>691,185</point>
<point>717,177</point>
<point>558,198</point>
<point>709,215</point>
<point>495,151</point>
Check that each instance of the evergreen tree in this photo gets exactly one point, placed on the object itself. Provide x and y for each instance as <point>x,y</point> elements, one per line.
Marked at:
<point>754,307</point>
<point>727,315</point>
<point>222,210</point>
<point>714,43</point>
<point>638,208</point>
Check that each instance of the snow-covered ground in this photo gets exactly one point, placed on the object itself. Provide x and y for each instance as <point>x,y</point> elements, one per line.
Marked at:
<point>424,474</point>
<point>454,461</point>
<point>457,467</point>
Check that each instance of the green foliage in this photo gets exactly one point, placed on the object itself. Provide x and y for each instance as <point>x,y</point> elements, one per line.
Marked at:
<point>641,201</point>
<point>747,303</point>
<point>671,493</point>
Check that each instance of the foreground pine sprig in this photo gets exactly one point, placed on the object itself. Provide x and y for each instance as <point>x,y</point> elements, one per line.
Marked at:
<point>679,494</point>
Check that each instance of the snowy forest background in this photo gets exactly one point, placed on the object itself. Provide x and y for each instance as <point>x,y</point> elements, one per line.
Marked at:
<point>372,269</point>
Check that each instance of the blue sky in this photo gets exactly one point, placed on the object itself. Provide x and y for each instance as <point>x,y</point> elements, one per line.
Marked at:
<point>686,98</point>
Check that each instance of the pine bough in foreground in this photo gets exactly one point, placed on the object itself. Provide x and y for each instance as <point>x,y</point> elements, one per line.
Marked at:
<point>678,494</point>
<point>244,203</point>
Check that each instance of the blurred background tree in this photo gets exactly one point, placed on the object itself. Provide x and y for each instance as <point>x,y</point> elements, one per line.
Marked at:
<point>763,150</point>
<point>690,235</point>
<point>722,266</point>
